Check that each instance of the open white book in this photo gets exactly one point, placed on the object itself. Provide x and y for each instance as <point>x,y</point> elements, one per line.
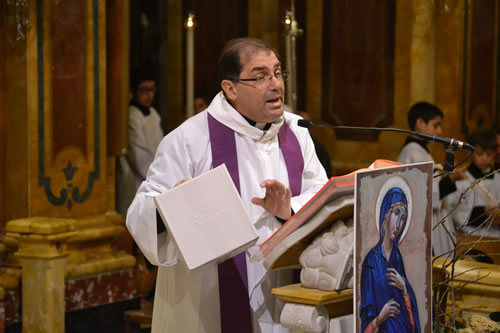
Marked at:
<point>207,219</point>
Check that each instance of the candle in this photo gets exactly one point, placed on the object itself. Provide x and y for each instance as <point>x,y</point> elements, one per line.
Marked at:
<point>190,65</point>
<point>292,32</point>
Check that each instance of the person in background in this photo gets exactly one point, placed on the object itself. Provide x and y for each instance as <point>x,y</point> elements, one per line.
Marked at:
<point>426,118</point>
<point>274,166</point>
<point>200,103</point>
<point>323,155</point>
<point>476,211</point>
<point>144,134</point>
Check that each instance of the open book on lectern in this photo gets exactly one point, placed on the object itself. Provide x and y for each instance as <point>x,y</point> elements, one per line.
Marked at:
<point>335,201</point>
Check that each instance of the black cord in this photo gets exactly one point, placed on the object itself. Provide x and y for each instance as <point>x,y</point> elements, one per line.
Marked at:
<point>456,166</point>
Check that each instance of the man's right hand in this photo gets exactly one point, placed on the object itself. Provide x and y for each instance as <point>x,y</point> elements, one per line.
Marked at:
<point>277,200</point>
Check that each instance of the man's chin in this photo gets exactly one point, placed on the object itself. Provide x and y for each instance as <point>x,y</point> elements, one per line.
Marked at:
<point>275,113</point>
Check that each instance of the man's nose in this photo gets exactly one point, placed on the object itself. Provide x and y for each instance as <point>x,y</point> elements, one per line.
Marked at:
<point>274,83</point>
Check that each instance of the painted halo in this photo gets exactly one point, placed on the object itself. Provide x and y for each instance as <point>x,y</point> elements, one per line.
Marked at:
<point>390,183</point>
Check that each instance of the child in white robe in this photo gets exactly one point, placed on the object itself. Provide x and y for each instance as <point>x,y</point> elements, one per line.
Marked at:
<point>476,212</point>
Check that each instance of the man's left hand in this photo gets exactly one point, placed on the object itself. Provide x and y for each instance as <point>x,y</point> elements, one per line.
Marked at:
<point>277,200</point>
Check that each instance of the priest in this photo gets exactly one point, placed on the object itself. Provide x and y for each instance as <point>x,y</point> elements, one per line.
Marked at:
<point>272,163</point>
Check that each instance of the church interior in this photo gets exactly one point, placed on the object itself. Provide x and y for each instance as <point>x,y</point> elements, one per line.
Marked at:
<point>68,261</point>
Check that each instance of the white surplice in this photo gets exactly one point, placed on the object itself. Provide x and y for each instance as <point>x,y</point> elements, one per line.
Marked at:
<point>189,301</point>
<point>412,152</point>
<point>144,136</point>
<point>442,241</point>
<point>485,193</point>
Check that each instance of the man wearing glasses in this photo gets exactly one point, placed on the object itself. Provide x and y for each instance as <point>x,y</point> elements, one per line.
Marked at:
<point>273,164</point>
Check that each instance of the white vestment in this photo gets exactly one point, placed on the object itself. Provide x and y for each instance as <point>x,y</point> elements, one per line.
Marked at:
<point>144,136</point>
<point>413,152</point>
<point>442,244</point>
<point>484,194</point>
<point>187,302</point>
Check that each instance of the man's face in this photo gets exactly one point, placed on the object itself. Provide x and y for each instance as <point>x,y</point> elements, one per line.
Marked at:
<point>145,93</point>
<point>433,126</point>
<point>260,103</point>
<point>199,105</point>
<point>483,158</point>
<point>396,221</point>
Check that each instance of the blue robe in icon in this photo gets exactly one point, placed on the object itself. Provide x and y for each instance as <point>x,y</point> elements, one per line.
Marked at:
<point>375,288</point>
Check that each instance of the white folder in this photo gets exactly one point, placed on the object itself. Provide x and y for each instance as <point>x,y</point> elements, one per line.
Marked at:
<point>207,219</point>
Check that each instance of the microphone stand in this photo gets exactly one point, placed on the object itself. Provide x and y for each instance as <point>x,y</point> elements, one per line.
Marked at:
<point>450,145</point>
<point>449,160</point>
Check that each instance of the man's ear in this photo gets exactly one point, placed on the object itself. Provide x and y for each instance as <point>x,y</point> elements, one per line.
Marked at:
<point>419,125</point>
<point>229,89</point>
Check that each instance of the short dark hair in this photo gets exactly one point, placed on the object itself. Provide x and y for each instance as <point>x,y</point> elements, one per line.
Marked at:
<point>424,110</point>
<point>229,66</point>
<point>484,138</point>
<point>202,95</point>
<point>139,75</point>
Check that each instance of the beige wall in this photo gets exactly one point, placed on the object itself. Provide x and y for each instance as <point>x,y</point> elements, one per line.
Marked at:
<point>429,44</point>
<point>428,66</point>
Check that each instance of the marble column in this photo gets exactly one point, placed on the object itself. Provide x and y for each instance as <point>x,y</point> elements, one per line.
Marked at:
<point>43,256</point>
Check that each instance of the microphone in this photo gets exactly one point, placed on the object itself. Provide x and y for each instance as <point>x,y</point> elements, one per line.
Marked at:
<point>305,123</point>
<point>447,142</point>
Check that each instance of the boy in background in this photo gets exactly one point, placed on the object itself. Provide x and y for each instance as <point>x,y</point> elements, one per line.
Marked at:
<point>426,118</point>
<point>144,135</point>
<point>476,213</point>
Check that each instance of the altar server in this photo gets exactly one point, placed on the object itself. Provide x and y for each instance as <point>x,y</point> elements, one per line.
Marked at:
<point>426,118</point>
<point>144,135</point>
<point>477,197</point>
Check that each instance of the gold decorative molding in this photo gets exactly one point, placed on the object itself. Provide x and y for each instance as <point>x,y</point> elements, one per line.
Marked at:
<point>337,302</point>
<point>41,225</point>
<point>97,233</point>
<point>9,278</point>
<point>112,263</point>
<point>297,294</point>
<point>43,255</point>
<point>40,237</point>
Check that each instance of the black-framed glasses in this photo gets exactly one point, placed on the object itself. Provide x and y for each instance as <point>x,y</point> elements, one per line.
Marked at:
<point>264,80</point>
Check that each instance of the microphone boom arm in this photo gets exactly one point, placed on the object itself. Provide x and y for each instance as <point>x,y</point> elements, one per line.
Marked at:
<point>450,144</point>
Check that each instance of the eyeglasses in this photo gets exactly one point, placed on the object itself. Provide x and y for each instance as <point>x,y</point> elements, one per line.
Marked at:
<point>264,80</point>
<point>145,90</point>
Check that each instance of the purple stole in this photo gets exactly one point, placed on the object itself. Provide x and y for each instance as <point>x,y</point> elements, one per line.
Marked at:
<point>234,302</point>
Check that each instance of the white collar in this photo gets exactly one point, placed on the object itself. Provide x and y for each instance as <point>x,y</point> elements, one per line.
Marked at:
<point>225,113</point>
